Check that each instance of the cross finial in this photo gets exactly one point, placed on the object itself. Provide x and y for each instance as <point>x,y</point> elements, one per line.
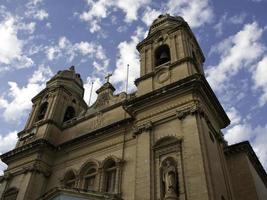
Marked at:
<point>108,76</point>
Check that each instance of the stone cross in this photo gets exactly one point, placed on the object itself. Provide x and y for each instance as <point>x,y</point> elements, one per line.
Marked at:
<point>107,77</point>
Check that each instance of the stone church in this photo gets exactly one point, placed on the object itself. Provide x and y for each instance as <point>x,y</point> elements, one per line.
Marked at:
<point>162,142</point>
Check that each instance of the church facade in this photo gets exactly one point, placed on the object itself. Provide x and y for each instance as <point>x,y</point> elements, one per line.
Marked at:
<point>162,142</point>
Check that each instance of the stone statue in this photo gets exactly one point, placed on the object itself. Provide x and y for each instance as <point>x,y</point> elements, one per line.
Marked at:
<point>169,178</point>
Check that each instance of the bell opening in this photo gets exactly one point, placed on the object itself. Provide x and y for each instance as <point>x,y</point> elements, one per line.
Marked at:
<point>162,55</point>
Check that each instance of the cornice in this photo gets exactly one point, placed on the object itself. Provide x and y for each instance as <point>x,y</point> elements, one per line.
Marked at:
<point>150,37</point>
<point>195,83</point>
<point>36,145</point>
<point>38,124</point>
<point>53,89</point>
<point>170,66</point>
<point>41,144</point>
<point>95,133</point>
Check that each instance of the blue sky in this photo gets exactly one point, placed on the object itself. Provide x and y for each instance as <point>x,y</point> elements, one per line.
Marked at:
<point>40,37</point>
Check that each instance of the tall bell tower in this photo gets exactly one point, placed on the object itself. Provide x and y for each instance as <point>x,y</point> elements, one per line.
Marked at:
<point>178,119</point>
<point>169,53</point>
<point>53,109</point>
<point>60,102</point>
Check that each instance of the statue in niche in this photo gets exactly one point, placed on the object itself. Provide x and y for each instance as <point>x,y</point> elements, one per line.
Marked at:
<point>169,179</point>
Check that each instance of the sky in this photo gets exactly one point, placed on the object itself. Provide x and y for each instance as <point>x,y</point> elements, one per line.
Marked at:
<point>40,37</point>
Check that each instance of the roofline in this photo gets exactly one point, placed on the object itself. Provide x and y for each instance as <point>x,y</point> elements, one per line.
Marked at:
<point>245,147</point>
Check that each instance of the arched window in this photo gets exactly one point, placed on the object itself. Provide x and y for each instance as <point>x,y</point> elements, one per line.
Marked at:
<point>42,111</point>
<point>110,176</point>
<point>162,55</point>
<point>69,179</point>
<point>69,113</point>
<point>10,194</point>
<point>89,179</point>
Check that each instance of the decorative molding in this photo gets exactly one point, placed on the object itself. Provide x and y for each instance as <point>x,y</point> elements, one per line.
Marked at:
<point>163,75</point>
<point>194,109</point>
<point>7,176</point>
<point>37,167</point>
<point>142,128</point>
<point>38,144</point>
<point>167,145</point>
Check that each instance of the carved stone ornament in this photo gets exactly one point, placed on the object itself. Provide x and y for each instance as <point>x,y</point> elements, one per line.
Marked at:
<point>197,108</point>
<point>169,179</point>
<point>6,176</point>
<point>163,75</point>
<point>144,127</point>
<point>36,167</point>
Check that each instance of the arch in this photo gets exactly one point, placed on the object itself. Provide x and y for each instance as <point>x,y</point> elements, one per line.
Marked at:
<point>110,176</point>
<point>162,55</point>
<point>109,159</point>
<point>42,111</point>
<point>111,170</point>
<point>88,163</point>
<point>166,141</point>
<point>69,179</point>
<point>10,194</point>
<point>69,113</point>
<point>89,175</point>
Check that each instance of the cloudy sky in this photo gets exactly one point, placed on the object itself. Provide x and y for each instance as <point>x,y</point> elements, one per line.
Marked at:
<point>40,37</point>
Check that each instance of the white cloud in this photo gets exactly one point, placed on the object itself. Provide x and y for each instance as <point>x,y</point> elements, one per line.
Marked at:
<point>234,116</point>
<point>238,19</point>
<point>225,19</point>
<point>7,142</point>
<point>219,26</point>
<point>260,80</point>
<point>88,86</point>
<point>150,15</point>
<point>238,133</point>
<point>195,12</point>
<point>18,99</point>
<point>236,52</point>
<point>131,8</point>
<point>128,55</point>
<point>40,14</point>
<point>101,9</point>
<point>189,10</point>
<point>85,47</point>
<point>52,53</point>
<point>11,48</point>
<point>48,25</point>
<point>30,27</point>
<point>66,49</point>
<point>34,11</point>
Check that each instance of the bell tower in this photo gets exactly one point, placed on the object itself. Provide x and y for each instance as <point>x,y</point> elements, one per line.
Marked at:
<point>178,119</point>
<point>169,53</point>
<point>59,103</point>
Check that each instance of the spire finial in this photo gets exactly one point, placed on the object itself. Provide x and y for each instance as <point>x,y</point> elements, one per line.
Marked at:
<point>108,76</point>
<point>72,68</point>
